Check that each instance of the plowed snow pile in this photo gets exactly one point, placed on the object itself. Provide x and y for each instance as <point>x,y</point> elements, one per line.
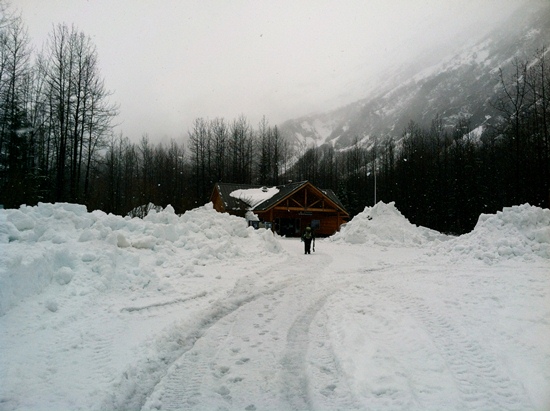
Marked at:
<point>199,312</point>
<point>63,243</point>
<point>515,232</point>
<point>384,225</point>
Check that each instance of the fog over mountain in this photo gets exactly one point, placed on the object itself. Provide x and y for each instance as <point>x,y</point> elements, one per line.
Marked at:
<point>451,82</point>
<point>170,62</point>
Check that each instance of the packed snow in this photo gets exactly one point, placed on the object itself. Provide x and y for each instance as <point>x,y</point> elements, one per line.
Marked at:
<point>199,311</point>
<point>520,231</point>
<point>384,224</point>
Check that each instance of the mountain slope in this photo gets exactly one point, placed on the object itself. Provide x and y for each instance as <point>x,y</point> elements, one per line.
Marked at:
<point>461,85</point>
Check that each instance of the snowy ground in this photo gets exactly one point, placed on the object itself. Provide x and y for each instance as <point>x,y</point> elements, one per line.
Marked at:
<point>199,312</point>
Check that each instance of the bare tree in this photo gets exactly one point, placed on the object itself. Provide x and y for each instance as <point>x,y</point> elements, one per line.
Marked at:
<point>277,143</point>
<point>241,151</point>
<point>538,82</point>
<point>16,159</point>
<point>220,137</point>
<point>199,147</point>
<point>80,113</point>
<point>514,104</point>
<point>265,148</point>
<point>146,165</point>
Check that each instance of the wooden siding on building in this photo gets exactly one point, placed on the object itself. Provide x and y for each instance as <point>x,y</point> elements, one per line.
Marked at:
<point>291,211</point>
<point>217,202</point>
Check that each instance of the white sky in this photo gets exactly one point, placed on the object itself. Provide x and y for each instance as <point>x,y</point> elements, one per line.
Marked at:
<point>171,61</point>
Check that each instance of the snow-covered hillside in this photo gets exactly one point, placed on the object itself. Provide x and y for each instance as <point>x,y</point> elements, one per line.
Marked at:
<point>462,82</point>
<point>100,312</point>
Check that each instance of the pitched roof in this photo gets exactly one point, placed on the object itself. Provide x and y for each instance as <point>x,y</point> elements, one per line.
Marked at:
<point>333,197</point>
<point>237,204</point>
<point>284,191</point>
<point>233,203</point>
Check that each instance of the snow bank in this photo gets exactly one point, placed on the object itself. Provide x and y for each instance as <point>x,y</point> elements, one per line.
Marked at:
<point>384,225</point>
<point>519,231</point>
<point>54,244</point>
<point>515,232</point>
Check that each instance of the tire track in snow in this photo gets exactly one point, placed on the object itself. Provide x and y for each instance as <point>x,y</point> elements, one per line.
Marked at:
<point>194,365</point>
<point>209,375</point>
<point>480,380</point>
<point>139,382</point>
<point>190,379</point>
<point>180,388</point>
<point>295,378</point>
<point>305,382</point>
<point>165,303</point>
<point>311,376</point>
<point>328,387</point>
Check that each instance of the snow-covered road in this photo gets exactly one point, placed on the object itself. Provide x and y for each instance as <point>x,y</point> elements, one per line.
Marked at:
<point>353,326</point>
<point>253,352</point>
<point>366,330</point>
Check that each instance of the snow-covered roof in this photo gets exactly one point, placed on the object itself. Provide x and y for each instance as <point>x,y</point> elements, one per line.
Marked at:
<point>242,197</point>
<point>254,196</point>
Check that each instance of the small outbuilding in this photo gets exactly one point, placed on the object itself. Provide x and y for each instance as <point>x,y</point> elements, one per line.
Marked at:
<point>286,209</point>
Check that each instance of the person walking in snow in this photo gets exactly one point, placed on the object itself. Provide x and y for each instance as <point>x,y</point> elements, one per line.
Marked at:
<point>307,238</point>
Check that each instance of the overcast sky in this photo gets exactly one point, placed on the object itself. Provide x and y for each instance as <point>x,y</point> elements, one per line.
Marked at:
<point>171,61</point>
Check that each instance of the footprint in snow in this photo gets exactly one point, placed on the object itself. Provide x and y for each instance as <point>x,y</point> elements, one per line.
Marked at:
<point>242,361</point>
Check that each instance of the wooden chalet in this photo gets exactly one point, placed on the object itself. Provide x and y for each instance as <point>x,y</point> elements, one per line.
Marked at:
<point>288,211</point>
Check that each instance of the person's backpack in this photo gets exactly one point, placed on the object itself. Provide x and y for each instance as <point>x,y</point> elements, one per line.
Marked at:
<point>307,235</point>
